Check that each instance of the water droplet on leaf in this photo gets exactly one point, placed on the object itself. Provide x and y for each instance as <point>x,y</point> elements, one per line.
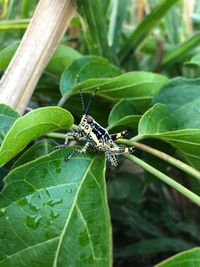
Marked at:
<point>54,214</point>
<point>2,212</point>
<point>53,202</point>
<point>33,221</point>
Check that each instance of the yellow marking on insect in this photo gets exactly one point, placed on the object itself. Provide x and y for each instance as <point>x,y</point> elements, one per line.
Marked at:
<point>118,135</point>
<point>126,150</point>
<point>94,138</point>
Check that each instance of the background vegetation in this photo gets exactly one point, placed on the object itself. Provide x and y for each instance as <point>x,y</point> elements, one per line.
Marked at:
<point>145,57</point>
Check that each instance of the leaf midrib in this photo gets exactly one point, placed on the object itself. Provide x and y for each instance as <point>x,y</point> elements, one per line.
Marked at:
<point>70,214</point>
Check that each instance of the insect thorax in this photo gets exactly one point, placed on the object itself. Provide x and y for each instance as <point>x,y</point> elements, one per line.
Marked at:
<point>93,131</point>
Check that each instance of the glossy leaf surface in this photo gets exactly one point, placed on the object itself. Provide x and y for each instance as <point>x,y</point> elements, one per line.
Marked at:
<point>32,125</point>
<point>137,86</point>
<point>157,123</point>
<point>182,99</point>
<point>189,258</point>
<point>124,113</point>
<point>87,67</point>
<point>55,213</point>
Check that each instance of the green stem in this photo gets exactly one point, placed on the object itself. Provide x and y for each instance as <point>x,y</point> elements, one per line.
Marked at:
<point>177,163</point>
<point>56,135</point>
<point>63,100</point>
<point>180,188</point>
<point>61,135</point>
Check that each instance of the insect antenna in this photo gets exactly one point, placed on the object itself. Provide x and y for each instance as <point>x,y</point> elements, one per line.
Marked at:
<point>81,94</point>
<point>90,101</point>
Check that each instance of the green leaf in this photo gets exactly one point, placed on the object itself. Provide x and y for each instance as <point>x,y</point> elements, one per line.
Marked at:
<point>153,246</point>
<point>189,258</point>
<point>96,33</point>
<point>7,118</point>
<point>182,49</point>
<point>86,67</point>
<point>156,120</point>
<point>61,59</point>
<point>6,55</point>
<point>37,150</point>
<point>27,7</point>
<point>118,10</point>
<point>56,211</point>
<point>144,28</point>
<point>194,61</point>
<point>157,123</point>
<point>137,86</point>
<point>17,24</point>
<point>124,113</point>
<point>182,99</point>
<point>32,125</point>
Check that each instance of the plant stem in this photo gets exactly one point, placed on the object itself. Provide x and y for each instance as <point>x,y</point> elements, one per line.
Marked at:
<point>180,188</point>
<point>177,163</point>
<point>56,135</point>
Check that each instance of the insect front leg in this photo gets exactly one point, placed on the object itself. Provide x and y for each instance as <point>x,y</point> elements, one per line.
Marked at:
<point>72,134</point>
<point>74,152</point>
<point>119,135</point>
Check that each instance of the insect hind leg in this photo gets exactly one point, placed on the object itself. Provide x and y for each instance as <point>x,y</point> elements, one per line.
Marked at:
<point>112,160</point>
<point>119,150</point>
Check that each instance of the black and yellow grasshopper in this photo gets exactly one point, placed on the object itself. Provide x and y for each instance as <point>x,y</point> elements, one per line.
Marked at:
<point>96,136</point>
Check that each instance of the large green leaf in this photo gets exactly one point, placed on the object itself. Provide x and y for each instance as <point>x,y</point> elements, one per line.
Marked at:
<point>87,67</point>
<point>189,258</point>
<point>55,213</point>
<point>144,28</point>
<point>62,58</point>
<point>95,28</point>
<point>182,99</point>
<point>124,113</point>
<point>37,150</point>
<point>30,126</point>
<point>157,123</point>
<point>137,86</point>
<point>7,118</point>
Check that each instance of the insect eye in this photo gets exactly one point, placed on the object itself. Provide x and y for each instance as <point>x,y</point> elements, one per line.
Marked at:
<point>89,120</point>
<point>86,127</point>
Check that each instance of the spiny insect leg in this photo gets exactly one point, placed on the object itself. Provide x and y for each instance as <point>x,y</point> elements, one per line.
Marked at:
<point>119,150</point>
<point>112,160</point>
<point>73,134</point>
<point>74,152</point>
<point>118,135</point>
